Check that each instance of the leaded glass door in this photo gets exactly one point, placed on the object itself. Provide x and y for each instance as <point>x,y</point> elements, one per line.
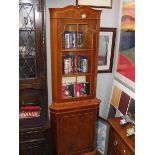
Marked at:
<point>27,48</point>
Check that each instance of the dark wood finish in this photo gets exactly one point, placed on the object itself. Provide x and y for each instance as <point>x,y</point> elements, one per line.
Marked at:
<point>73,126</point>
<point>119,143</point>
<point>35,140</point>
<point>34,133</point>
<point>113,30</point>
<point>40,44</point>
<point>40,82</point>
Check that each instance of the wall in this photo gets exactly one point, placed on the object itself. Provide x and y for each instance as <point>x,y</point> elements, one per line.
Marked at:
<point>109,18</point>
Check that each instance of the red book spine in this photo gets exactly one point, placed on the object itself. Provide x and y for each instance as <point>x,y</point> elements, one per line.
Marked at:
<point>75,64</point>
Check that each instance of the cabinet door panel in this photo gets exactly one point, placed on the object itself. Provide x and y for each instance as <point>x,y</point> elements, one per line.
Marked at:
<point>31,45</point>
<point>77,133</point>
<point>27,49</point>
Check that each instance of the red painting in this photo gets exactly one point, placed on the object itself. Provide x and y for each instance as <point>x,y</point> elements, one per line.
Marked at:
<point>126,56</point>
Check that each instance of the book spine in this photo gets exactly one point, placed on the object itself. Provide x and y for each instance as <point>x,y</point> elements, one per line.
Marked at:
<point>66,65</point>
<point>80,39</point>
<point>67,39</point>
<point>70,39</point>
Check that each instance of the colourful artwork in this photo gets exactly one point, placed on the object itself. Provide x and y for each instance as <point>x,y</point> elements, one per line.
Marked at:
<point>116,96</point>
<point>123,104</point>
<point>126,57</point>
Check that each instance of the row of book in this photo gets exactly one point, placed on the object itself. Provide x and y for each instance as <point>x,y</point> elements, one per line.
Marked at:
<point>70,39</point>
<point>75,90</point>
<point>74,64</point>
<point>29,111</point>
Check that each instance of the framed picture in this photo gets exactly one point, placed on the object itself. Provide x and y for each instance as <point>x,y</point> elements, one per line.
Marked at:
<point>106,49</point>
<point>122,101</point>
<point>102,136</point>
<point>125,47</point>
<point>96,3</point>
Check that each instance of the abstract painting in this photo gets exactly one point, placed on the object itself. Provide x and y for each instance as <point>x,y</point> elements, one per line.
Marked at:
<point>122,101</point>
<point>126,54</point>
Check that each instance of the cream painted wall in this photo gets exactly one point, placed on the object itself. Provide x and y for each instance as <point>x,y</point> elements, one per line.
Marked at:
<point>109,18</point>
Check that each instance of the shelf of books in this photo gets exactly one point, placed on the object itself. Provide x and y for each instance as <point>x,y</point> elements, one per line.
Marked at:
<point>76,61</point>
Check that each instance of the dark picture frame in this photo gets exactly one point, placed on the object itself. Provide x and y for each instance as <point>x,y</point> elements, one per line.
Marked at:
<point>96,4</point>
<point>106,49</point>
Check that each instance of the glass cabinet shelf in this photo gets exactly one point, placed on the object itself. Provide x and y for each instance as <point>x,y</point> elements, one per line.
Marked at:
<point>74,55</point>
<point>75,74</point>
<point>78,49</point>
<point>27,56</point>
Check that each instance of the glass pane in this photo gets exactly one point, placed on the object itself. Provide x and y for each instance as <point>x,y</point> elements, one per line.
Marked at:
<point>76,61</point>
<point>85,36</point>
<point>73,64</point>
<point>27,51</point>
<point>70,36</point>
<point>75,86</point>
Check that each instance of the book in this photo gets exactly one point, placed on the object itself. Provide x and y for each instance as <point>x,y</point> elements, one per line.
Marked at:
<point>82,64</point>
<point>29,111</point>
<point>70,39</point>
<point>68,64</point>
<point>80,39</point>
<point>67,90</point>
<point>82,89</point>
<point>74,64</point>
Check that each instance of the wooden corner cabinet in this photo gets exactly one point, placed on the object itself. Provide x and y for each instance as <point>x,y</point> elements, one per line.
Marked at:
<point>74,54</point>
<point>119,143</point>
<point>33,105</point>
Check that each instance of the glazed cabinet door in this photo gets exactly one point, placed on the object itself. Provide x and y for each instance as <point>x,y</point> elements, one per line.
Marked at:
<point>31,41</point>
<point>76,60</point>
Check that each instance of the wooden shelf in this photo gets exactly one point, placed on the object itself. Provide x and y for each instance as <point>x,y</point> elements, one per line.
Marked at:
<point>76,74</point>
<point>75,50</point>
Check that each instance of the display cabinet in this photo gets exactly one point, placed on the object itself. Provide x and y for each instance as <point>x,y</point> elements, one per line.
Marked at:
<point>33,105</point>
<point>74,53</point>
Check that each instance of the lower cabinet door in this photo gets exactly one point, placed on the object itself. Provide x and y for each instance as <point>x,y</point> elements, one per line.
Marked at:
<point>75,132</point>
